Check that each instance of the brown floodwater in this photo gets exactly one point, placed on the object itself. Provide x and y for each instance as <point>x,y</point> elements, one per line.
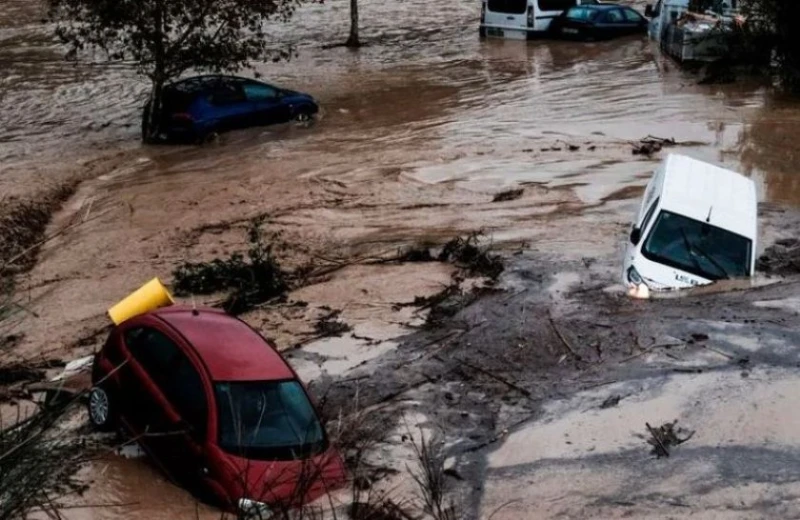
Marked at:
<point>425,103</point>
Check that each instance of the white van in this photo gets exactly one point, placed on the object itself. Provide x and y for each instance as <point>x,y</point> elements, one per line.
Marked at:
<point>697,224</point>
<point>522,19</point>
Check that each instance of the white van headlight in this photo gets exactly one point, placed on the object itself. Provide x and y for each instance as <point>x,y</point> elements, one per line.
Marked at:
<point>254,510</point>
<point>634,276</point>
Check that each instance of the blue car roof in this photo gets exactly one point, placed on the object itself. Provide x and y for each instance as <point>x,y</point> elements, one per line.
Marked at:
<point>197,84</point>
<point>598,7</point>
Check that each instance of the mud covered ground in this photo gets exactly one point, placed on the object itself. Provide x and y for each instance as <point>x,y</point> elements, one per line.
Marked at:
<point>538,386</point>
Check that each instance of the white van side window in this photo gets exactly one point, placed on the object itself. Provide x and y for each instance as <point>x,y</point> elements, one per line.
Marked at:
<point>649,215</point>
<point>556,5</point>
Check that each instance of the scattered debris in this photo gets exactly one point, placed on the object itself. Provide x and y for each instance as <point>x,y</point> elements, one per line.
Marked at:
<point>782,258</point>
<point>330,325</point>
<point>465,253</point>
<point>417,253</point>
<point>250,280</point>
<point>496,377</point>
<point>21,371</point>
<point>505,196</point>
<point>573,147</point>
<point>611,402</point>
<point>651,145</point>
<point>665,437</point>
<point>698,338</point>
<point>564,339</point>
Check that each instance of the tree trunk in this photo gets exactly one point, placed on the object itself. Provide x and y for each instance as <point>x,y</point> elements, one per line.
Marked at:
<point>151,118</point>
<point>151,123</point>
<point>353,40</point>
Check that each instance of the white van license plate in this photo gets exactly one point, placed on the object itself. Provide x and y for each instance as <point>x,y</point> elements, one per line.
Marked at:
<point>495,32</point>
<point>568,30</point>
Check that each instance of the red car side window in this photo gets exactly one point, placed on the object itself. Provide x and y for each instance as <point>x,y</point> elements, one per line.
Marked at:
<point>153,350</point>
<point>173,372</point>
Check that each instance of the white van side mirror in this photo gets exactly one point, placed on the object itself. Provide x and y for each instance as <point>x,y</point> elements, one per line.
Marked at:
<point>636,236</point>
<point>648,11</point>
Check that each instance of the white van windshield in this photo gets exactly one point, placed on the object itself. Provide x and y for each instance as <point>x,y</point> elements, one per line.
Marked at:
<point>508,6</point>
<point>697,247</point>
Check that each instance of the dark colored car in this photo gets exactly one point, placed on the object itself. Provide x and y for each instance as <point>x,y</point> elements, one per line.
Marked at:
<point>194,108</point>
<point>598,22</point>
<point>217,408</point>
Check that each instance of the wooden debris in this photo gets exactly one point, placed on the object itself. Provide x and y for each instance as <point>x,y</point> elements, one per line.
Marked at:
<point>507,195</point>
<point>564,340</point>
<point>665,437</point>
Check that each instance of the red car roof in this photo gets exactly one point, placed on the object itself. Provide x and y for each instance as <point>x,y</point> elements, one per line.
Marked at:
<point>231,350</point>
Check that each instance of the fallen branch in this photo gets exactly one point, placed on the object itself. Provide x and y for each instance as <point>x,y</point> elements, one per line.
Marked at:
<point>650,349</point>
<point>519,389</point>
<point>657,438</point>
<point>563,339</point>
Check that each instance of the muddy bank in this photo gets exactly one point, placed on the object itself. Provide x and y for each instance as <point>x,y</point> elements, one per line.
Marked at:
<point>543,392</point>
<point>427,134</point>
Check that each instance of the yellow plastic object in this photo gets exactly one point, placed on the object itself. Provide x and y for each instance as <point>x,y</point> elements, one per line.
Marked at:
<point>146,298</point>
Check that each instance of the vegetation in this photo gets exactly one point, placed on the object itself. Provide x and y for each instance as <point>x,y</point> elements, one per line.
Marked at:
<point>37,464</point>
<point>166,38</point>
<point>770,28</point>
<point>249,279</point>
<point>22,227</point>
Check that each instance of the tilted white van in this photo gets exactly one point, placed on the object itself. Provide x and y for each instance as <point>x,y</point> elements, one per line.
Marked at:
<point>698,223</point>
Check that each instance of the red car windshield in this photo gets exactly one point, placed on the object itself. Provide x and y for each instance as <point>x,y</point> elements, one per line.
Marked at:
<point>268,420</point>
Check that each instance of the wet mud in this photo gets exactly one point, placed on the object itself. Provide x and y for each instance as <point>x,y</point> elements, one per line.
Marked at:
<point>429,133</point>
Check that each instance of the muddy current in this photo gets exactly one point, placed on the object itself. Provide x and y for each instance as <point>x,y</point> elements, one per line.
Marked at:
<point>419,129</point>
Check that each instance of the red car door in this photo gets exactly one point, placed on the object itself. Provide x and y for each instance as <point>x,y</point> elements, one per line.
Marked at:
<point>155,373</point>
<point>187,392</point>
<point>141,406</point>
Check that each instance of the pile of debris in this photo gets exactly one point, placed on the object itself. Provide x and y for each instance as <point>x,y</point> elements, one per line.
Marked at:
<point>782,258</point>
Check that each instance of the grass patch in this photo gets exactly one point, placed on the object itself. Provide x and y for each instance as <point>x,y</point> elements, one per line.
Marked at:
<point>249,279</point>
<point>430,478</point>
<point>22,227</point>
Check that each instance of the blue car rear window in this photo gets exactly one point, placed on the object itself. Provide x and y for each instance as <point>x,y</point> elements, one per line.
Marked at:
<point>582,13</point>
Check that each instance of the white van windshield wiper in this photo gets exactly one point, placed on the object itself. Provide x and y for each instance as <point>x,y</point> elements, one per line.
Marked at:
<point>691,248</point>
<point>713,261</point>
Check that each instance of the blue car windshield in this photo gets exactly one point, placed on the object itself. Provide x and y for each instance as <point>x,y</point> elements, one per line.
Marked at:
<point>268,420</point>
<point>698,247</point>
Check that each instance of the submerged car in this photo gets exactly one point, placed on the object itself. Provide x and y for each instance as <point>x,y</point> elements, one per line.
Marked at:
<point>216,407</point>
<point>697,224</point>
<point>196,107</point>
<point>598,22</point>
<point>521,19</point>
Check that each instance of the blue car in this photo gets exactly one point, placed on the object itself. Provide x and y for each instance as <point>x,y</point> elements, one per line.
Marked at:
<point>197,107</point>
<point>598,22</point>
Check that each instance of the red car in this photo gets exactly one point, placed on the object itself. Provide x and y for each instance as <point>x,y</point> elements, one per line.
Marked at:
<point>216,406</point>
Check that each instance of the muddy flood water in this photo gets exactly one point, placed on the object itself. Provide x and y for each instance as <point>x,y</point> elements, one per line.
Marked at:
<point>419,130</point>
